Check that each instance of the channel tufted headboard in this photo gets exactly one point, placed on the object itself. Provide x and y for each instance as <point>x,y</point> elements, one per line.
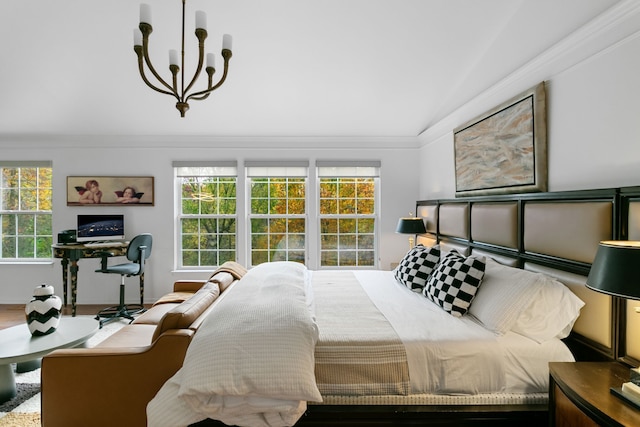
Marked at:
<point>556,233</point>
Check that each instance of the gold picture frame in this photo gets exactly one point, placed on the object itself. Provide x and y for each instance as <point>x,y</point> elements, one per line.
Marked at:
<point>504,150</point>
<point>110,190</point>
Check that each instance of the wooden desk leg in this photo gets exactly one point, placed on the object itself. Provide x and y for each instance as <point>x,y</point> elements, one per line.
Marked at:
<point>65,266</point>
<point>74,286</point>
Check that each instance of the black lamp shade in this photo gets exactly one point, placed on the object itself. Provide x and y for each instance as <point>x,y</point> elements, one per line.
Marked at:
<point>411,225</point>
<point>616,269</point>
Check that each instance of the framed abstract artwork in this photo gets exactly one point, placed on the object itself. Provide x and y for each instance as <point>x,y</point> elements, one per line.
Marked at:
<point>505,149</point>
<point>110,190</point>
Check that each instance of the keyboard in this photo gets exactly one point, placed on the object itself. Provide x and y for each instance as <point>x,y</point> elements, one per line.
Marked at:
<point>103,244</point>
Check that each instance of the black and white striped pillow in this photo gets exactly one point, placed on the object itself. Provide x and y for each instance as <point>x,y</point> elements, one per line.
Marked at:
<point>416,266</point>
<point>455,281</point>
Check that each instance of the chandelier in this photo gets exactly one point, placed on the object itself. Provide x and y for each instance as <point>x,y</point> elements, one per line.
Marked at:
<point>176,64</point>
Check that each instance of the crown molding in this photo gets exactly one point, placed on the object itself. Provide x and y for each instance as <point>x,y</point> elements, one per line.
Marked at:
<point>615,26</point>
<point>41,141</point>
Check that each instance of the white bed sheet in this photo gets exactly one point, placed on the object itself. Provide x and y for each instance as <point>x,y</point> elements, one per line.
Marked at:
<point>482,361</point>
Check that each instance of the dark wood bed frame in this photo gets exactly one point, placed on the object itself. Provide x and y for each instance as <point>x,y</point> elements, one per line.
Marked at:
<point>553,232</point>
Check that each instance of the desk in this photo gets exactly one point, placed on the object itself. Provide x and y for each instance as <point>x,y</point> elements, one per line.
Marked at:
<point>72,253</point>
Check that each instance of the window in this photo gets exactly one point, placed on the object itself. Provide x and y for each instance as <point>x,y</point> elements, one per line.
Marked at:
<point>207,219</point>
<point>277,213</point>
<point>348,213</point>
<point>25,210</point>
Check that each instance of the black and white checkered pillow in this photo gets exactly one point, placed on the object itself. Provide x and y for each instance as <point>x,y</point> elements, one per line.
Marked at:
<point>416,266</point>
<point>455,281</point>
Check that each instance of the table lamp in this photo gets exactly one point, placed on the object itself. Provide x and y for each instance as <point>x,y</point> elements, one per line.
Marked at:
<point>411,225</point>
<point>616,271</point>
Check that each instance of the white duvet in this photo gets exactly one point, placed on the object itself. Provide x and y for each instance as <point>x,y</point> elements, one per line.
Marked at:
<point>249,366</point>
<point>438,344</point>
<point>252,361</point>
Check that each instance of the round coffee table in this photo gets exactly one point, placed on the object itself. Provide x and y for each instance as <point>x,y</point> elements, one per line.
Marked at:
<point>19,346</point>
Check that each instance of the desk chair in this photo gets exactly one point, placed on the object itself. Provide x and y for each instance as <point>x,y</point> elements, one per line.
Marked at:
<point>138,251</point>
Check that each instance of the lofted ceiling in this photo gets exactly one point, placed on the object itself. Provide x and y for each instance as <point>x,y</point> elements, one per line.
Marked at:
<point>300,68</point>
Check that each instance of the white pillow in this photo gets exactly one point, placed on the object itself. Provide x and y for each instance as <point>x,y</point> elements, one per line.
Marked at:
<point>551,314</point>
<point>504,294</point>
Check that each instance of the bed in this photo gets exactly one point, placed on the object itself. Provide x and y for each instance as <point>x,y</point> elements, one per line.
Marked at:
<point>486,362</point>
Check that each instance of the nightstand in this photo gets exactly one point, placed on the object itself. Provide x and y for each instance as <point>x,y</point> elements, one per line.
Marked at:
<point>579,395</point>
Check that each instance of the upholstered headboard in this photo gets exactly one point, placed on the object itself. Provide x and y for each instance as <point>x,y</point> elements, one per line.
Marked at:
<point>556,233</point>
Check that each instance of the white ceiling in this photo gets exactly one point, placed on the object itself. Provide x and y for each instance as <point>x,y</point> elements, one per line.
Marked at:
<point>324,68</point>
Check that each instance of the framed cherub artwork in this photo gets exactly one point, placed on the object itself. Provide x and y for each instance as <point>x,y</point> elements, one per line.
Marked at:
<point>110,190</point>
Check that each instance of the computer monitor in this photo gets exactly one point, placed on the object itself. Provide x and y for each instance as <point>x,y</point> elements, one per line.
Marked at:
<point>100,227</point>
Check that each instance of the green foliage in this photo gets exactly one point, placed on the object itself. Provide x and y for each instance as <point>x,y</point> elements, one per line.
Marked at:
<point>276,234</point>
<point>347,239</point>
<point>208,196</point>
<point>278,196</point>
<point>9,247</point>
<point>278,239</point>
<point>205,241</point>
<point>208,234</point>
<point>278,225</point>
<point>25,211</point>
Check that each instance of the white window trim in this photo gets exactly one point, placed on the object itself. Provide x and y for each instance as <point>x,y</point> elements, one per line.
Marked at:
<point>223,168</point>
<point>346,169</point>
<point>275,169</point>
<point>29,164</point>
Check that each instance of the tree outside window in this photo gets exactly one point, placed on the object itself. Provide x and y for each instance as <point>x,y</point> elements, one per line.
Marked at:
<point>347,222</point>
<point>25,210</point>
<point>277,218</point>
<point>207,219</point>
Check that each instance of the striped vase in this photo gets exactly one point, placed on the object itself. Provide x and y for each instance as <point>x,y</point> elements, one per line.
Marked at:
<point>43,311</point>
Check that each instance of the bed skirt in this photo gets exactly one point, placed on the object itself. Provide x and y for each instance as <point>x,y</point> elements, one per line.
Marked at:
<point>438,400</point>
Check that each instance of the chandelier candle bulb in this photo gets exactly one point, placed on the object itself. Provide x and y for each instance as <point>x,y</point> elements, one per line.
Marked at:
<point>173,57</point>
<point>226,41</point>
<point>201,20</point>
<point>137,37</point>
<point>145,13</point>
<point>211,60</point>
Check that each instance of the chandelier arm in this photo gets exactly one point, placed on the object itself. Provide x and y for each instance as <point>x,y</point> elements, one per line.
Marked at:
<point>226,54</point>
<point>210,72</point>
<point>138,50</point>
<point>172,91</point>
<point>201,34</point>
<point>146,30</point>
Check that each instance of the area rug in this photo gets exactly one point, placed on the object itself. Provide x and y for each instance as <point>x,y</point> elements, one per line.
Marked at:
<point>24,409</point>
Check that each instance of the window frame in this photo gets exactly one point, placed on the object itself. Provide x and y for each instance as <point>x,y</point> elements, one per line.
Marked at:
<point>34,213</point>
<point>348,170</point>
<point>218,170</point>
<point>298,170</point>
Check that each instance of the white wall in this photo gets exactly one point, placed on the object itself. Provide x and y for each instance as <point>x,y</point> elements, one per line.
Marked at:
<point>133,157</point>
<point>593,141</point>
<point>593,110</point>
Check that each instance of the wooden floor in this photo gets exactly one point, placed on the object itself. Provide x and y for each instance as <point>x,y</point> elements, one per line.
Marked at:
<point>13,314</point>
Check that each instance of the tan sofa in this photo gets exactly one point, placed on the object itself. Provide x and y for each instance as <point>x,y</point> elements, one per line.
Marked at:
<point>111,384</point>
